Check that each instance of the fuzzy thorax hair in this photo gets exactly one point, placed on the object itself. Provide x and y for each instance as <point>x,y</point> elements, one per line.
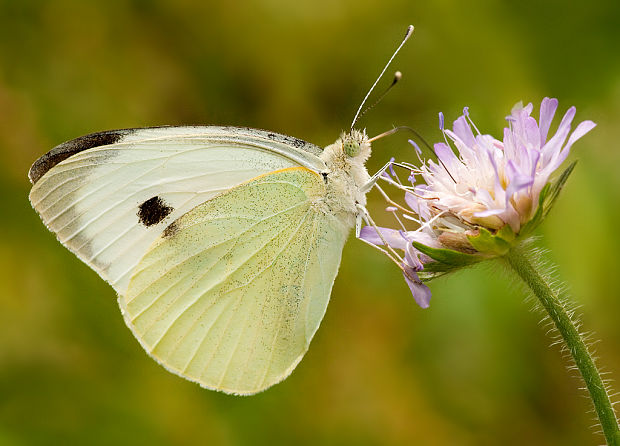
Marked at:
<point>347,174</point>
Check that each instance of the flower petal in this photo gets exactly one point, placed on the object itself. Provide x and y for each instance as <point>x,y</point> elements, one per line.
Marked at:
<point>411,258</point>
<point>391,236</point>
<point>517,180</point>
<point>488,212</point>
<point>583,128</point>
<point>552,148</point>
<point>462,129</point>
<point>547,111</point>
<point>477,182</point>
<point>446,155</point>
<point>421,293</point>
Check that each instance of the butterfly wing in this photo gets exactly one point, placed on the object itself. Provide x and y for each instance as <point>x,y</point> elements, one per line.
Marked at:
<point>232,292</point>
<point>109,195</point>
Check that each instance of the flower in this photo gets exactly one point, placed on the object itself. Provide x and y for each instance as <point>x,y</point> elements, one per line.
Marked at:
<point>478,203</point>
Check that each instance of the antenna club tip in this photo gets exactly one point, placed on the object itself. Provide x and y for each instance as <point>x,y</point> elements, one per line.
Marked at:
<point>398,75</point>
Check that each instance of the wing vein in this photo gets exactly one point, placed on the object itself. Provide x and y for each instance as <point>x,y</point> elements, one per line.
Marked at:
<point>220,280</point>
<point>226,292</point>
<point>286,245</point>
<point>275,338</point>
<point>257,222</point>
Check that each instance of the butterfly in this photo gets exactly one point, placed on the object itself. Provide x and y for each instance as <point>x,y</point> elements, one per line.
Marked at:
<point>222,243</point>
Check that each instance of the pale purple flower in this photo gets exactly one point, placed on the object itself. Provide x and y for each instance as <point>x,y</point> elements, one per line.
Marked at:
<point>491,182</point>
<point>487,185</point>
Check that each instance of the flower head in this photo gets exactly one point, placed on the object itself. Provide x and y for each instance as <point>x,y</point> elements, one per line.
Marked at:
<point>478,202</point>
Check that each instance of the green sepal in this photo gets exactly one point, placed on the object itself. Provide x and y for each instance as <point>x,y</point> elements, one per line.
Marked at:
<point>507,234</point>
<point>495,244</point>
<point>555,189</point>
<point>546,200</point>
<point>426,276</point>
<point>438,267</point>
<point>451,259</point>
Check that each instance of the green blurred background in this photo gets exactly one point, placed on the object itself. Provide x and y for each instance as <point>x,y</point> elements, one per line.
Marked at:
<point>474,369</point>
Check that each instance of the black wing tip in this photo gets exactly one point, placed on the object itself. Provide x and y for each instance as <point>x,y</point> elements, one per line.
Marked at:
<point>63,151</point>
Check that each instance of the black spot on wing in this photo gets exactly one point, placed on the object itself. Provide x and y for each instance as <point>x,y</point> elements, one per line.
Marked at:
<point>153,210</point>
<point>69,148</point>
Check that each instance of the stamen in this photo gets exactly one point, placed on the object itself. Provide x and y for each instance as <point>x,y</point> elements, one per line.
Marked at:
<point>415,146</point>
<point>368,219</point>
<point>427,224</point>
<point>418,151</point>
<point>392,209</point>
<point>409,217</point>
<point>392,202</point>
<point>391,167</point>
<point>466,114</point>
<point>392,171</point>
<point>397,185</point>
<point>447,143</point>
<point>398,263</point>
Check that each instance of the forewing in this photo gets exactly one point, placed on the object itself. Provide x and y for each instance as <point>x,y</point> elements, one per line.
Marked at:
<point>231,294</point>
<point>109,195</point>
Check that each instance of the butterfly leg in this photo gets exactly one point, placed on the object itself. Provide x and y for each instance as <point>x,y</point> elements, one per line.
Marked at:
<point>390,252</point>
<point>373,180</point>
<point>364,216</point>
<point>380,174</point>
<point>358,225</point>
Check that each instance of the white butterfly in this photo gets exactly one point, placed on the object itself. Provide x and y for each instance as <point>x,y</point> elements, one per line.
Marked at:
<point>223,243</point>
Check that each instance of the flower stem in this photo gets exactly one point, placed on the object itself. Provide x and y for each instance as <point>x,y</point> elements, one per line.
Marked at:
<point>519,258</point>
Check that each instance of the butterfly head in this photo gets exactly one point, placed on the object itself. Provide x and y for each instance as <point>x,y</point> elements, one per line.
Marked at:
<point>351,147</point>
<point>355,146</point>
<point>345,159</point>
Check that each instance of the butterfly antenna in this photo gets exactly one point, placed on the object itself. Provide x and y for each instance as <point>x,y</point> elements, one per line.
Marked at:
<point>397,77</point>
<point>357,114</point>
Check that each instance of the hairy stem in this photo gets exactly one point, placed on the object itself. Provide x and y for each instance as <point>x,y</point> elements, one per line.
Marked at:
<point>519,258</point>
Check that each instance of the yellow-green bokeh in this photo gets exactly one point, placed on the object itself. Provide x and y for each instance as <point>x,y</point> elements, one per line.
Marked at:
<point>474,369</point>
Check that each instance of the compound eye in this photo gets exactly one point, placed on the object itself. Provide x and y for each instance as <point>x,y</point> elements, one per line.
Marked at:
<point>351,148</point>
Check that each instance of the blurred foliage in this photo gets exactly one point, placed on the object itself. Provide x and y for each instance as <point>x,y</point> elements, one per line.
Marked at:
<point>474,369</point>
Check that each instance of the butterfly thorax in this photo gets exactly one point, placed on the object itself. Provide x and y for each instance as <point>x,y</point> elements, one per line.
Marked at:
<point>346,173</point>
